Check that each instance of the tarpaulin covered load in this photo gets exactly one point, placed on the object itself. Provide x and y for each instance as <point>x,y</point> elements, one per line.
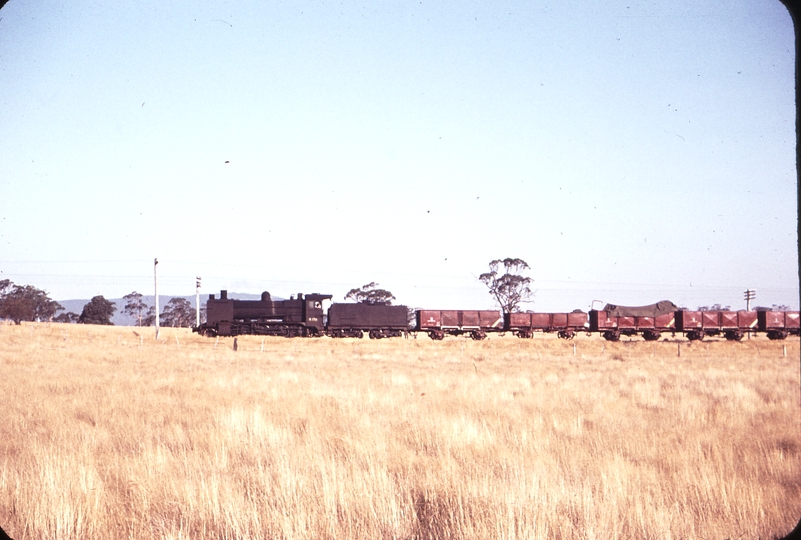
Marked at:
<point>651,310</point>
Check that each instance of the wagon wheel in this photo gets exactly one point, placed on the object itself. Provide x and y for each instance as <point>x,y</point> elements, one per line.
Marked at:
<point>650,335</point>
<point>569,334</point>
<point>478,335</point>
<point>612,335</point>
<point>734,335</point>
<point>375,334</point>
<point>695,335</point>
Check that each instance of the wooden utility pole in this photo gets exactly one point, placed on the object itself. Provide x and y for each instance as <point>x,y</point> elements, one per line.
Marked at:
<point>749,294</point>
<point>197,301</point>
<point>156,283</point>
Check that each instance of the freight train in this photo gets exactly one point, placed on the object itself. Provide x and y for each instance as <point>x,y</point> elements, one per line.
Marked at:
<point>304,316</point>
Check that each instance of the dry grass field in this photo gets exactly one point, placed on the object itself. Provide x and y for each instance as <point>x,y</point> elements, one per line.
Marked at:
<point>105,434</point>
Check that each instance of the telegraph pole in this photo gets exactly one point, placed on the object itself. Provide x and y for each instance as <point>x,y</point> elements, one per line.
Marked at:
<point>197,301</point>
<point>749,294</point>
<point>156,284</point>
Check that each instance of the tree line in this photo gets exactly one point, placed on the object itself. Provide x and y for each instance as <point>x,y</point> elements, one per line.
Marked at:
<point>27,303</point>
<point>178,312</point>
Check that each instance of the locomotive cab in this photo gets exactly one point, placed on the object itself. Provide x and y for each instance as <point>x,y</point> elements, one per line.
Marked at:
<point>313,314</point>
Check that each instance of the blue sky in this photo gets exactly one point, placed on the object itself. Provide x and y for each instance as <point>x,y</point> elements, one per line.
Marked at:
<point>629,152</point>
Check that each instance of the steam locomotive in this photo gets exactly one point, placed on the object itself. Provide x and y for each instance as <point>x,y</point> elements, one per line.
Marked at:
<point>303,316</point>
<point>300,317</point>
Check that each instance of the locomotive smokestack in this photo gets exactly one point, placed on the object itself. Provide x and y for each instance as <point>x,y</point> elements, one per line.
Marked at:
<point>223,295</point>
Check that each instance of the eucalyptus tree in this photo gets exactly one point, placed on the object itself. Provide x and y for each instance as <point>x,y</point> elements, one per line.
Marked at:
<point>506,283</point>
<point>98,311</point>
<point>25,303</point>
<point>371,294</point>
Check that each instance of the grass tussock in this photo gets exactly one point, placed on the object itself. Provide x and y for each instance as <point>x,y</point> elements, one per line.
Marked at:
<point>108,434</point>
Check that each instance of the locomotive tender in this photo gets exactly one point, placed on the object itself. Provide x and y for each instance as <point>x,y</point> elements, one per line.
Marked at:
<point>353,320</point>
<point>304,317</point>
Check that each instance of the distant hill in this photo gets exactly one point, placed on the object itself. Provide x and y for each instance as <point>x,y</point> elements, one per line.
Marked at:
<point>121,319</point>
